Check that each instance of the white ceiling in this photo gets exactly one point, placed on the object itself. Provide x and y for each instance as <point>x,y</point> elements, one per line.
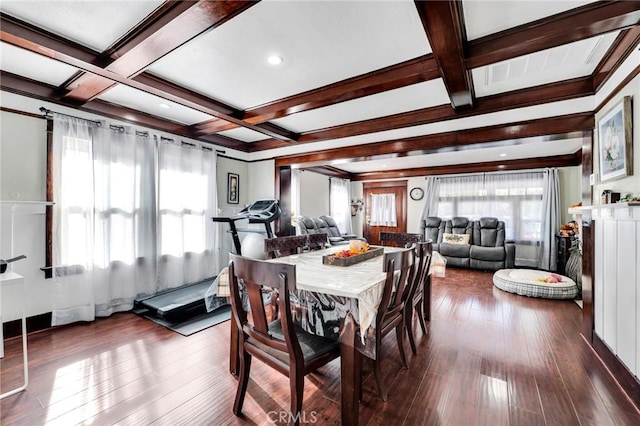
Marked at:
<point>321,42</point>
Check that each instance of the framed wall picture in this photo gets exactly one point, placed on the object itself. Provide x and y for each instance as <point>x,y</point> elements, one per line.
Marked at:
<point>615,145</point>
<point>233,188</point>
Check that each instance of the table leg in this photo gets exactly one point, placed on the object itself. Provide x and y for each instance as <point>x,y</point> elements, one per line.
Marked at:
<point>234,349</point>
<point>351,373</point>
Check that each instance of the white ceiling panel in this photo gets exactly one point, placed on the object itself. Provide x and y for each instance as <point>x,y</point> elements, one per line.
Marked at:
<point>484,17</point>
<point>243,134</point>
<point>90,23</point>
<point>36,67</point>
<point>145,102</point>
<point>409,98</point>
<point>320,42</point>
<point>559,63</point>
<point>467,155</point>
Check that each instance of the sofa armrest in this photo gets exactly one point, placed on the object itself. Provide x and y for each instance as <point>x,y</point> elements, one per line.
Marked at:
<point>510,251</point>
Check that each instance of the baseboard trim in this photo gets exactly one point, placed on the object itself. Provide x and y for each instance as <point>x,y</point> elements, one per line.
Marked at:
<point>621,374</point>
<point>35,323</point>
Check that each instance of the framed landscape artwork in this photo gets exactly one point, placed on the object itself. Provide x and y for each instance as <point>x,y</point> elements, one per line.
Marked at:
<point>615,145</point>
<point>233,188</point>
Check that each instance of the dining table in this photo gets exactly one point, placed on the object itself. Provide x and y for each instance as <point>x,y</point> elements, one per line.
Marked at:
<point>338,302</point>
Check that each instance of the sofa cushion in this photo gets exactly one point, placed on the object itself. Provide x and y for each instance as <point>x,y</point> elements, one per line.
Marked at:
<point>457,239</point>
<point>487,253</point>
<point>454,250</point>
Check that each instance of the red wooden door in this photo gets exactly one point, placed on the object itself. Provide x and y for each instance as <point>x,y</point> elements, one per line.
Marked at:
<point>399,189</point>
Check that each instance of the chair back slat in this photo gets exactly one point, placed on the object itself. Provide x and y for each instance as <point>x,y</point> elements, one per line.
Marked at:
<point>253,277</point>
<point>399,239</point>
<point>423,252</point>
<point>318,241</point>
<point>394,296</point>
<point>284,246</point>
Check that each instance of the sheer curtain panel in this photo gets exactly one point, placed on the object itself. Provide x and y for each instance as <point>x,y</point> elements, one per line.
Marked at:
<point>104,219</point>
<point>340,203</point>
<point>73,295</point>
<point>383,210</point>
<point>187,200</point>
<point>125,221</point>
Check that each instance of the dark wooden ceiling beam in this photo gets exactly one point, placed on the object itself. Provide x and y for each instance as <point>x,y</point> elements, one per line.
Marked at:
<point>33,89</point>
<point>566,160</point>
<point>444,26</point>
<point>396,76</point>
<point>552,92</point>
<point>420,145</point>
<point>156,37</point>
<point>623,46</point>
<point>578,24</point>
<point>207,106</point>
<point>331,172</point>
<point>214,125</point>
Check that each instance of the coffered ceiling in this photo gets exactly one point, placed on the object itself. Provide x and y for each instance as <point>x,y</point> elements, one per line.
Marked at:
<point>367,88</point>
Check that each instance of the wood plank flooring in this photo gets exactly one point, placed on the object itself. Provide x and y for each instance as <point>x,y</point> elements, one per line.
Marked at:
<point>489,358</point>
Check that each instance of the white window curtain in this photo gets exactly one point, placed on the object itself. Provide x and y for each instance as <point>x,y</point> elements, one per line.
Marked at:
<point>124,256</point>
<point>431,192</point>
<point>187,199</point>
<point>517,198</point>
<point>295,194</point>
<point>72,293</point>
<point>106,238</point>
<point>340,203</point>
<point>383,210</point>
<point>104,220</point>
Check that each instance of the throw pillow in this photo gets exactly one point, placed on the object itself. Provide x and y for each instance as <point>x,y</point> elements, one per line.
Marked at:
<point>458,239</point>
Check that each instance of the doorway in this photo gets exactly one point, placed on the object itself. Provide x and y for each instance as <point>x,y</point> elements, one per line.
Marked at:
<point>391,190</point>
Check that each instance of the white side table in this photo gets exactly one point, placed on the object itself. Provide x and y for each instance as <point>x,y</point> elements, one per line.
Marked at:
<point>10,278</point>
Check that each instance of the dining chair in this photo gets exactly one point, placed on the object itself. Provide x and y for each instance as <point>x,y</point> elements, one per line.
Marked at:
<point>284,246</point>
<point>390,314</point>
<point>277,247</point>
<point>279,344</point>
<point>420,287</point>
<point>399,239</point>
<point>317,241</point>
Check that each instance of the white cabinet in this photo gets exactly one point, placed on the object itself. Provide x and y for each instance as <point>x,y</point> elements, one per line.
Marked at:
<point>10,281</point>
<point>617,281</point>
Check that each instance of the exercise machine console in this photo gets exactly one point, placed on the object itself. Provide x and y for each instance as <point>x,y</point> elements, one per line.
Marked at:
<point>262,211</point>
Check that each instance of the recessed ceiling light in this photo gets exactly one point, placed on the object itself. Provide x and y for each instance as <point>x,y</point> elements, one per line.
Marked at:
<point>165,106</point>
<point>275,60</point>
<point>503,155</point>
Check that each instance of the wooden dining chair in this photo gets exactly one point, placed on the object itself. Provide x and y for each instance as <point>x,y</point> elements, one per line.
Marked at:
<point>419,282</point>
<point>279,344</point>
<point>391,309</point>
<point>399,239</point>
<point>284,246</point>
<point>318,241</point>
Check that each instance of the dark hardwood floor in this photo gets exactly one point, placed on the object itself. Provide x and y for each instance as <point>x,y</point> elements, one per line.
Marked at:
<point>489,358</point>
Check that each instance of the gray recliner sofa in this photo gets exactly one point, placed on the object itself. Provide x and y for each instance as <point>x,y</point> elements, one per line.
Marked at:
<point>487,248</point>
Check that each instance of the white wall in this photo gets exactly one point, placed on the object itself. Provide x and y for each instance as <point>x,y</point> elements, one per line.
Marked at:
<point>570,189</point>
<point>262,182</point>
<point>23,146</point>
<point>314,194</point>
<point>632,183</point>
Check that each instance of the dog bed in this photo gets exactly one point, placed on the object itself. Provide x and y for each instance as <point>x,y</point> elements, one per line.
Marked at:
<point>533,283</point>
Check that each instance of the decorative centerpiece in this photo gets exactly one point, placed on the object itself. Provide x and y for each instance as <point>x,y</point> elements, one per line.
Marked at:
<point>358,251</point>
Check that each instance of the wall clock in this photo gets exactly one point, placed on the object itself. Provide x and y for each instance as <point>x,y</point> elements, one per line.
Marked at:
<point>416,193</point>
